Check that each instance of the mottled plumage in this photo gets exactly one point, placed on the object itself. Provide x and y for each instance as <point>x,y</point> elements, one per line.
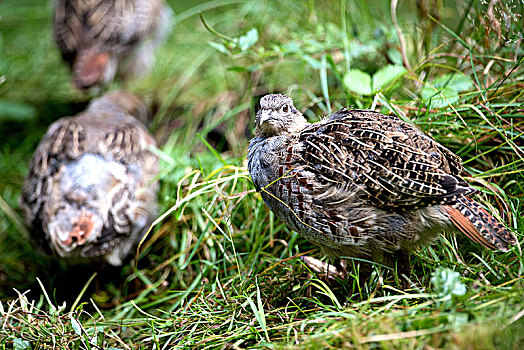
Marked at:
<point>362,184</point>
<point>90,191</point>
<point>99,38</point>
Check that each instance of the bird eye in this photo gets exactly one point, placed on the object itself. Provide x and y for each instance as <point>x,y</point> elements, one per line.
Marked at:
<point>285,108</point>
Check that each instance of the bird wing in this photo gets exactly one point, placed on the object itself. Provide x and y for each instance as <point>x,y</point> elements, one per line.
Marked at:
<point>392,163</point>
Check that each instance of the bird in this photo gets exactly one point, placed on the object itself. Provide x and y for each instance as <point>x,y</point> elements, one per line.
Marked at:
<point>363,185</point>
<point>91,189</point>
<point>102,38</point>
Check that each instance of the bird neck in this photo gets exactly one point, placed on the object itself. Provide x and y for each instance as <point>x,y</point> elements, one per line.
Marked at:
<point>283,127</point>
<point>298,124</point>
<point>120,102</point>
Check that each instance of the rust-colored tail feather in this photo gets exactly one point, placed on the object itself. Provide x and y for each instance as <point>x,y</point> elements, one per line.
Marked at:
<point>89,69</point>
<point>476,223</point>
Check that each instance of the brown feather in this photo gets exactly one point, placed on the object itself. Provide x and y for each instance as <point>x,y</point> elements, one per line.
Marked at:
<point>89,69</point>
<point>466,227</point>
<point>90,189</point>
<point>109,38</point>
<point>476,223</point>
<point>363,184</point>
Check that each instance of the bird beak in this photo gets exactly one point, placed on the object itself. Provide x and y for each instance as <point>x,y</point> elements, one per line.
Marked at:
<point>265,115</point>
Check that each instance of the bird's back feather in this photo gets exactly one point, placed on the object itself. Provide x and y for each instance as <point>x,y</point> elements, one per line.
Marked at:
<point>363,184</point>
<point>92,171</point>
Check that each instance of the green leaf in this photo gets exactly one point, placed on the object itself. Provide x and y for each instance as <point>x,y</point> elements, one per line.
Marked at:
<point>358,81</point>
<point>19,344</point>
<point>395,56</point>
<point>248,40</point>
<point>253,67</point>
<point>261,312</point>
<point>237,69</point>
<point>257,313</point>
<point>458,319</point>
<point>17,111</point>
<point>446,284</point>
<point>444,90</point>
<point>324,82</point>
<point>460,82</point>
<point>457,81</point>
<point>218,46</point>
<point>436,98</point>
<point>290,47</point>
<point>387,75</point>
<point>324,288</point>
<point>314,63</point>
<point>76,325</point>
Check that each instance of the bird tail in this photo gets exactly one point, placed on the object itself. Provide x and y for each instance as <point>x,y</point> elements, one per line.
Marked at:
<point>476,223</point>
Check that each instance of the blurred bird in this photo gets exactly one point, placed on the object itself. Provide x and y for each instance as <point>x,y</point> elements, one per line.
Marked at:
<point>362,184</point>
<point>91,190</point>
<point>100,38</point>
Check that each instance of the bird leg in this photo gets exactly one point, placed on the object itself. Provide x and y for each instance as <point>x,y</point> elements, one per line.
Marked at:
<point>330,270</point>
<point>402,264</point>
<point>361,270</point>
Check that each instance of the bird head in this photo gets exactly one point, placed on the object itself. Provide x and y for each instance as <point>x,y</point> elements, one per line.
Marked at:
<point>278,116</point>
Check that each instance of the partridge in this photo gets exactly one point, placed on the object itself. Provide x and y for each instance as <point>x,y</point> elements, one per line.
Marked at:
<point>364,185</point>
<point>100,38</point>
<point>91,188</point>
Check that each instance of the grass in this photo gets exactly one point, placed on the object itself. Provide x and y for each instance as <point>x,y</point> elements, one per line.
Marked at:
<point>219,270</point>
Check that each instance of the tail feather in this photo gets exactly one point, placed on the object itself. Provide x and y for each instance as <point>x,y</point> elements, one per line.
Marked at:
<point>90,69</point>
<point>478,225</point>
